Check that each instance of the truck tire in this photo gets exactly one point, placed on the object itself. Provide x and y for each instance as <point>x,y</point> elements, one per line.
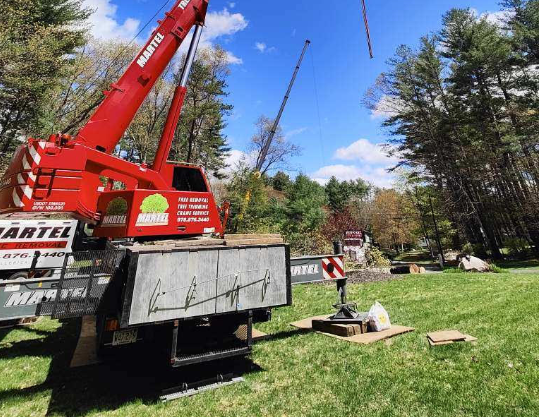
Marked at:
<point>19,275</point>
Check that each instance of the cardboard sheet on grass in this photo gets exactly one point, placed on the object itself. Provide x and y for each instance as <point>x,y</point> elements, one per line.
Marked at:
<point>362,339</point>
<point>447,337</point>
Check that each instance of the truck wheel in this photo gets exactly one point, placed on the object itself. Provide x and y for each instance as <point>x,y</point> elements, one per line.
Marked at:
<point>18,275</point>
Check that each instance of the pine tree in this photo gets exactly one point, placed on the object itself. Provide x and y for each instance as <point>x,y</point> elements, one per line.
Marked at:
<point>200,138</point>
<point>37,40</point>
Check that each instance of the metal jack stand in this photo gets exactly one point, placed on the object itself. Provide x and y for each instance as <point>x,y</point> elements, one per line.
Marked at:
<point>346,312</point>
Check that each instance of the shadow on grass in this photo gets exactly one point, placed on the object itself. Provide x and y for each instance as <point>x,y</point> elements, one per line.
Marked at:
<point>530,263</point>
<point>4,332</point>
<point>283,335</point>
<point>134,376</point>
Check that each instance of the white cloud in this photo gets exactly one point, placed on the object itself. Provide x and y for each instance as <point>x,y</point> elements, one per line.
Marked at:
<point>218,25</point>
<point>223,23</point>
<point>365,151</point>
<point>295,132</point>
<point>233,59</point>
<point>370,163</point>
<point>236,156</point>
<point>498,18</point>
<point>386,107</point>
<point>263,48</point>
<point>104,22</point>
<point>374,175</point>
<point>231,5</point>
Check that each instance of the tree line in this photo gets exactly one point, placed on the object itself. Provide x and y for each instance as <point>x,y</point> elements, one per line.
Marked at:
<point>463,115</point>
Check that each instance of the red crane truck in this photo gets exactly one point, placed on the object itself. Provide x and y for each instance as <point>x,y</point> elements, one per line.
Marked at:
<point>157,264</point>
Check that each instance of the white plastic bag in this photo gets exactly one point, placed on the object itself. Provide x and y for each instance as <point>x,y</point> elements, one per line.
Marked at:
<point>378,318</point>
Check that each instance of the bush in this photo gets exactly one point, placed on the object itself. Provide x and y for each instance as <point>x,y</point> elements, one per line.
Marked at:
<point>497,270</point>
<point>476,249</point>
<point>352,265</point>
<point>375,258</point>
<point>467,249</point>
<point>516,247</point>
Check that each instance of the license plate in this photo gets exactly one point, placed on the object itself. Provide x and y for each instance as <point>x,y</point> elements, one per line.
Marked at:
<point>124,337</point>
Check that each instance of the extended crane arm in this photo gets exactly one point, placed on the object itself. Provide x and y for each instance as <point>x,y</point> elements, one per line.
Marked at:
<point>112,118</point>
<point>265,149</point>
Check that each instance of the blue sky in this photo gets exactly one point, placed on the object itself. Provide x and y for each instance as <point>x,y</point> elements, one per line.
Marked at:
<point>264,39</point>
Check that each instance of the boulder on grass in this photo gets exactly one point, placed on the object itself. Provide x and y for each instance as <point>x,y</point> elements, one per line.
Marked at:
<point>415,269</point>
<point>473,264</point>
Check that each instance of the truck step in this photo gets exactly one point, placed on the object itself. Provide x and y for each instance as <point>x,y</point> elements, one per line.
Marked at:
<point>184,360</point>
<point>188,390</point>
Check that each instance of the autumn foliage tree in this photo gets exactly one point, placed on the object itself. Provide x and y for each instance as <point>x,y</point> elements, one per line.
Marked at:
<point>394,220</point>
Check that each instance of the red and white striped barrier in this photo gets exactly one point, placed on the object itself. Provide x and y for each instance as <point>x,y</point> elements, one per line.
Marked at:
<point>26,180</point>
<point>333,267</point>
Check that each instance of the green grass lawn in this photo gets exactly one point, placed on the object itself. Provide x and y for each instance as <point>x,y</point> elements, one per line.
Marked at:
<point>315,375</point>
<point>527,265</point>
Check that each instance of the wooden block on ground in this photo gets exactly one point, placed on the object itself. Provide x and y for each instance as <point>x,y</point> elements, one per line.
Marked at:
<point>446,336</point>
<point>86,350</point>
<point>344,330</point>
<point>363,339</point>
<point>258,335</point>
<point>307,324</point>
<point>29,321</point>
<point>467,339</point>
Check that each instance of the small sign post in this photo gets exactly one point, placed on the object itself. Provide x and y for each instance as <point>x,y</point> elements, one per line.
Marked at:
<point>353,243</point>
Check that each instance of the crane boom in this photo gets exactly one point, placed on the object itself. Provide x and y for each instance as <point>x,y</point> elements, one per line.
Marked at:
<point>263,155</point>
<point>67,175</point>
<point>114,115</point>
